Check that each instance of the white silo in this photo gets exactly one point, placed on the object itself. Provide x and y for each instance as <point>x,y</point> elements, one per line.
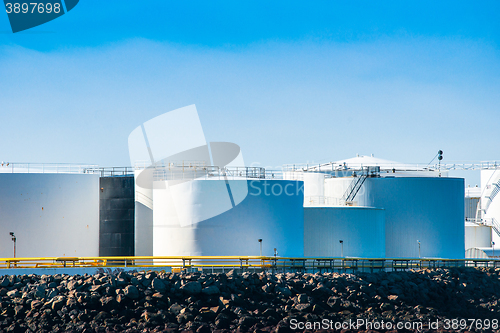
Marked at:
<point>420,211</point>
<point>477,235</point>
<point>490,201</point>
<point>51,214</point>
<point>272,211</point>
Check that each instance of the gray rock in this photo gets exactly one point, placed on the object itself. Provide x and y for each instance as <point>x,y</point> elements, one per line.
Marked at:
<point>14,293</point>
<point>192,288</point>
<point>40,291</point>
<point>58,302</point>
<point>321,292</point>
<point>302,299</point>
<point>303,307</point>
<point>247,321</point>
<point>131,292</point>
<point>211,290</point>
<point>36,304</point>
<point>222,321</point>
<point>96,288</point>
<point>108,302</point>
<point>158,285</point>
<point>175,309</point>
<point>5,282</point>
<point>120,282</point>
<point>72,285</point>
<point>53,293</point>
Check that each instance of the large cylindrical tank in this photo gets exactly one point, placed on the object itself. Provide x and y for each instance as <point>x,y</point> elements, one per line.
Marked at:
<point>116,216</point>
<point>420,212</point>
<point>272,211</point>
<point>361,230</point>
<point>51,215</point>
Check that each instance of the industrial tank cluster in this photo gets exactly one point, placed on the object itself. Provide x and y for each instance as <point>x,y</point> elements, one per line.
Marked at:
<point>185,196</point>
<point>380,208</point>
<point>395,213</point>
<point>482,214</point>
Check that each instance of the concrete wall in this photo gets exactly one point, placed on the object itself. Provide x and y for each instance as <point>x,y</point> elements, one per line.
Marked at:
<point>362,230</point>
<point>51,215</point>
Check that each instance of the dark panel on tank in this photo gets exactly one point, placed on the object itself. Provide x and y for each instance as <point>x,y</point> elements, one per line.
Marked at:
<point>116,216</point>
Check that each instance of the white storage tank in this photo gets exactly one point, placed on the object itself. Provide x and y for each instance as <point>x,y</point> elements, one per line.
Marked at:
<point>490,200</point>
<point>272,211</point>
<point>420,211</point>
<point>51,215</point>
<point>477,235</point>
<point>483,253</point>
<point>361,229</point>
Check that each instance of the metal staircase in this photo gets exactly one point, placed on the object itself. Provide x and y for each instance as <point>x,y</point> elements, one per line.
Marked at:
<point>354,187</point>
<point>493,194</point>
<point>495,226</point>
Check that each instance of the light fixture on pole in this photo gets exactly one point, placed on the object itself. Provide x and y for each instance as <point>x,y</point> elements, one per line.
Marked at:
<point>440,158</point>
<point>260,242</point>
<point>341,248</point>
<point>14,239</point>
<point>418,248</point>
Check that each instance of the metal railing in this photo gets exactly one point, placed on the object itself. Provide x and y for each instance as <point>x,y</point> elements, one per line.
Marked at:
<point>493,223</point>
<point>113,171</point>
<point>320,200</point>
<point>333,166</point>
<point>189,172</point>
<point>245,263</point>
<point>6,167</point>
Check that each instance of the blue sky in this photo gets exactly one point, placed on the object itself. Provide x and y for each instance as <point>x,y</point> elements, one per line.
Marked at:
<point>290,82</point>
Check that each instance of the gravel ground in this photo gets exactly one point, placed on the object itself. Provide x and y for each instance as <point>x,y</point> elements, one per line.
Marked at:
<point>252,302</point>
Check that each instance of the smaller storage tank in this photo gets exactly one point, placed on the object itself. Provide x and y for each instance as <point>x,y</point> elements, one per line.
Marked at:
<point>477,235</point>
<point>483,253</point>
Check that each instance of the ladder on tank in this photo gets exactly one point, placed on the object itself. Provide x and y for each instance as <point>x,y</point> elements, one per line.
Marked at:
<point>354,187</point>
<point>495,226</point>
<point>493,194</point>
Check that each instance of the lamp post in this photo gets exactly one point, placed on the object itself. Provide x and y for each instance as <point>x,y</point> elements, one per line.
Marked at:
<point>260,242</point>
<point>341,248</point>
<point>418,249</point>
<point>14,240</point>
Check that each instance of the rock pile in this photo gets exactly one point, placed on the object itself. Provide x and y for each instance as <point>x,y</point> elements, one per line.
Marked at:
<point>158,302</point>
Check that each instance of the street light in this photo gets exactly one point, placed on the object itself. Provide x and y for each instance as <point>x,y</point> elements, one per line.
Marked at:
<point>341,248</point>
<point>260,241</point>
<point>418,248</point>
<point>14,240</point>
